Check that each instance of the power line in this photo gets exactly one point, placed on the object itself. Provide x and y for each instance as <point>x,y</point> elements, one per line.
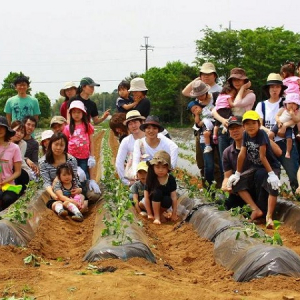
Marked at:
<point>146,47</point>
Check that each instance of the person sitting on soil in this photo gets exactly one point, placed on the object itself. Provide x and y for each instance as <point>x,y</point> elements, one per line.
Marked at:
<point>46,135</point>
<point>58,124</point>
<point>69,198</point>
<point>160,191</point>
<point>230,156</point>
<point>146,147</point>
<point>116,124</point>
<point>138,188</point>
<point>256,147</point>
<point>125,152</point>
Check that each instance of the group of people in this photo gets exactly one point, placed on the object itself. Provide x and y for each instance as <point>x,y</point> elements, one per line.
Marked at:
<point>67,162</point>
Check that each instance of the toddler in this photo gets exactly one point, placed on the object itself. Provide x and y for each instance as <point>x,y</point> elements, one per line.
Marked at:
<point>125,102</point>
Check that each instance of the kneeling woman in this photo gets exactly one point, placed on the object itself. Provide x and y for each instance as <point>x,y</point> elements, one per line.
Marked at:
<point>56,155</point>
<point>10,165</point>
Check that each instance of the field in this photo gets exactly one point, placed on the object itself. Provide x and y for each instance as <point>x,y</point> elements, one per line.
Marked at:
<point>185,268</point>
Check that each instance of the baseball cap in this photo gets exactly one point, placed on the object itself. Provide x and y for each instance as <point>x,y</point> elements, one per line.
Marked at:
<point>251,115</point>
<point>57,120</point>
<point>142,166</point>
<point>88,81</point>
<point>235,120</point>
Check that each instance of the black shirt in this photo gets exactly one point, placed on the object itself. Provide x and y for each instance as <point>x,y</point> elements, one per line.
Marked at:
<point>90,106</point>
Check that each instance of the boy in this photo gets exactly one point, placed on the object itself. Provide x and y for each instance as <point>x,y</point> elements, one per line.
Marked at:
<point>124,103</point>
<point>137,189</point>
<point>21,105</point>
<point>58,123</point>
<point>257,149</point>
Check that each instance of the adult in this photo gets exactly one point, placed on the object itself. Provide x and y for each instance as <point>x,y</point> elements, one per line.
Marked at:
<point>274,89</point>
<point>256,190</point>
<point>244,101</point>
<point>139,91</point>
<point>10,164</point>
<point>32,150</point>
<point>208,75</point>
<point>125,152</point>
<point>58,124</point>
<point>84,92</point>
<point>117,126</point>
<point>68,92</point>
<point>208,163</point>
<point>145,148</point>
<point>56,155</point>
<point>21,105</point>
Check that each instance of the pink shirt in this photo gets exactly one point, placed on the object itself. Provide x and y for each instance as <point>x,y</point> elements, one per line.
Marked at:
<point>9,155</point>
<point>79,142</point>
<point>293,84</point>
<point>222,101</point>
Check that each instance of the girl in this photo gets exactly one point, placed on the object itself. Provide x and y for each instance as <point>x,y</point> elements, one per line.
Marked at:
<point>67,191</point>
<point>287,72</point>
<point>79,134</point>
<point>160,191</point>
<point>68,91</point>
<point>10,163</point>
<point>224,103</point>
<point>289,112</point>
<point>46,135</point>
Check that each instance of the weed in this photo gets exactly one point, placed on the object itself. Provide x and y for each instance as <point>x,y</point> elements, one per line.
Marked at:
<point>32,260</point>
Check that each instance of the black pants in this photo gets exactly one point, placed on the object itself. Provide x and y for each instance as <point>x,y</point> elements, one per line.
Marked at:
<point>23,180</point>
<point>7,198</point>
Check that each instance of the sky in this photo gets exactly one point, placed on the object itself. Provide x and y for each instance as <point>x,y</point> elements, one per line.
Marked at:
<point>57,41</point>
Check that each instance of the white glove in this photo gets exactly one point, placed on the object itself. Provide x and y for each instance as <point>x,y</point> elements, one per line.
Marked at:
<point>273,180</point>
<point>93,186</point>
<point>91,162</point>
<point>233,179</point>
<point>81,174</point>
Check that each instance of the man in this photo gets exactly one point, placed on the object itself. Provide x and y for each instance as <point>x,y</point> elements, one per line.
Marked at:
<point>208,75</point>
<point>32,151</point>
<point>58,123</point>
<point>21,105</point>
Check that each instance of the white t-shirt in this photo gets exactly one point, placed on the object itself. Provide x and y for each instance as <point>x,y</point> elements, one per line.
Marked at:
<point>271,110</point>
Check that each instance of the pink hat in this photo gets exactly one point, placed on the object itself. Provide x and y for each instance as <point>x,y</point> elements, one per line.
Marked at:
<point>292,98</point>
<point>77,104</point>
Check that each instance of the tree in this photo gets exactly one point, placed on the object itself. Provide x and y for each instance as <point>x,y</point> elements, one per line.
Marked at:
<point>8,89</point>
<point>45,107</point>
<point>55,109</point>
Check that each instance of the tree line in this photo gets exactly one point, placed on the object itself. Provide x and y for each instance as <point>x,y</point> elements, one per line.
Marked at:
<point>260,51</point>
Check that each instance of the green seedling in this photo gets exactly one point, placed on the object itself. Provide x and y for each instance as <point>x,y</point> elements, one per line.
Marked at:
<point>32,260</point>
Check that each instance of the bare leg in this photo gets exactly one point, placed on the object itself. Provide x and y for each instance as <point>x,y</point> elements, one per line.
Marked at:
<point>206,136</point>
<point>156,209</point>
<point>271,207</point>
<point>256,212</point>
<point>289,145</point>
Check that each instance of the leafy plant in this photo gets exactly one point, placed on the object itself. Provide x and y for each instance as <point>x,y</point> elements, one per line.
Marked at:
<point>32,260</point>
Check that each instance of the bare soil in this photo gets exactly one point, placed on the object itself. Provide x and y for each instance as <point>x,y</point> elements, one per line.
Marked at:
<point>185,268</point>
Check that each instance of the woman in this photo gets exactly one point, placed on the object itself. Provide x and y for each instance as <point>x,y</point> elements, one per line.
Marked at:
<point>117,126</point>
<point>68,91</point>
<point>125,152</point>
<point>26,172</point>
<point>274,89</point>
<point>56,155</point>
<point>10,164</point>
<point>84,92</point>
<point>139,92</point>
<point>145,148</point>
<point>244,101</point>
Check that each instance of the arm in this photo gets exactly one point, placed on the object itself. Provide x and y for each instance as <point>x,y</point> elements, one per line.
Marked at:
<point>135,198</point>
<point>129,106</point>
<point>278,115</point>
<point>263,158</point>
<point>63,198</point>
<point>241,159</point>
<point>8,118</point>
<point>275,148</point>
<point>186,91</point>
<point>16,173</point>
<point>97,120</point>
<point>120,160</point>
<point>92,146</point>
<point>230,102</point>
<point>247,100</point>
<point>298,179</point>
<point>136,156</point>
<point>174,216</point>
<point>148,204</point>
<point>224,187</point>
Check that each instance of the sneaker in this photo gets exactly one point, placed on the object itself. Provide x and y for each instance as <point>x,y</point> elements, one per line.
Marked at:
<point>78,217</point>
<point>207,149</point>
<point>62,213</point>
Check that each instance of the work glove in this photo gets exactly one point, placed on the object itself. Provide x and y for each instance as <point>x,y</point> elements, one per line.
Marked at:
<point>233,179</point>
<point>93,186</point>
<point>273,180</point>
<point>91,162</point>
<point>81,174</point>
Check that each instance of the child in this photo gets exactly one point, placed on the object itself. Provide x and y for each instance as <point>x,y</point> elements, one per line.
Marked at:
<point>137,189</point>
<point>287,72</point>
<point>124,103</point>
<point>256,147</point>
<point>58,124</point>
<point>224,103</point>
<point>160,191</point>
<point>46,135</point>
<point>198,110</point>
<point>286,114</point>
<point>63,187</point>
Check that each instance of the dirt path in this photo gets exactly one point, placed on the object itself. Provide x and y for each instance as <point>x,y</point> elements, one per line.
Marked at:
<point>185,268</point>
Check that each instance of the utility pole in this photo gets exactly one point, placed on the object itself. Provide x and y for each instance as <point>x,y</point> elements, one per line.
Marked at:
<point>146,47</point>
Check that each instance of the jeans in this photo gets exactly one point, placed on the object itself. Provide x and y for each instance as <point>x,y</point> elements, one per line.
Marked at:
<point>82,163</point>
<point>290,165</point>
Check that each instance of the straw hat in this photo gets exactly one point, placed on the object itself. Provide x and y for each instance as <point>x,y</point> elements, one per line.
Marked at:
<point>199,88</point>
<point>274,79</point>
<point>133,115</point>
<point>68,85</point>
<point>208,68</point>
<point>161,156</point>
